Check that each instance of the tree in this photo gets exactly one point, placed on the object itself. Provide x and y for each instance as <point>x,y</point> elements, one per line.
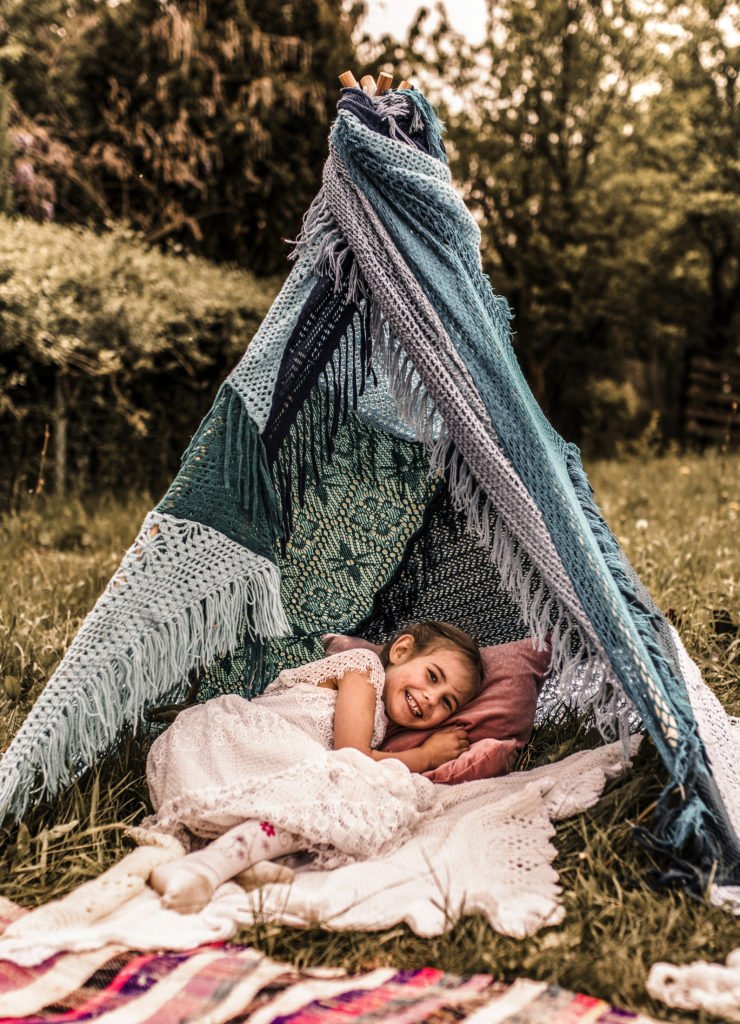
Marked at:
<point>543,102</point>
<point>6,149</point>
<point>689,141</point>
<point>202,123</point>
<point>596,144</point>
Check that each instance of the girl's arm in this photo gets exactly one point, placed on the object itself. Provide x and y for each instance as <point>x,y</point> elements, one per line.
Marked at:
<point>354,717</point>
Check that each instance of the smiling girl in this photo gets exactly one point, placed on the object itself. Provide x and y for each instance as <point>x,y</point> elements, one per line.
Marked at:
<point>298,769</point>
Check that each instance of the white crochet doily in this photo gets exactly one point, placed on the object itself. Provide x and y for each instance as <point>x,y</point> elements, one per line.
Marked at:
<point>699,986</point>
<point>484,847</point>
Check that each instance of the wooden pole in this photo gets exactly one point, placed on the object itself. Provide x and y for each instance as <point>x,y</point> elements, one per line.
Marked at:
<point>368,84</point>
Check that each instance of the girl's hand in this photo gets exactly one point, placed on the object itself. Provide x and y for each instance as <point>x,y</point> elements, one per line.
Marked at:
<point>445,745</point>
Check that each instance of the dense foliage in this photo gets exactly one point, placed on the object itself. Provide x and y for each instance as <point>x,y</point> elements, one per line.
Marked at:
<point>113,348</point>
<point>597,145</point>
<point>200,123</point>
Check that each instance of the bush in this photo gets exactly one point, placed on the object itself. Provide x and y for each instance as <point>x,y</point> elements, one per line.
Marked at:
<point>616,417</point>
<point>113,351</point>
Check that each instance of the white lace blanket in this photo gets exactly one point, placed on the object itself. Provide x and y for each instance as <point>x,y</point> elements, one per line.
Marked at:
<point>699,985</point>
<point>485,848</point>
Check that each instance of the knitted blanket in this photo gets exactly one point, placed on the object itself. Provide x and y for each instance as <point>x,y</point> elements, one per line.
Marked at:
<point>377,457</point>
<point>485,848</point>
<point>237,983</point>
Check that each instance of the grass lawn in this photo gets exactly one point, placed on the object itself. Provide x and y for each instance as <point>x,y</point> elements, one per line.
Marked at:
<point>677,517</point>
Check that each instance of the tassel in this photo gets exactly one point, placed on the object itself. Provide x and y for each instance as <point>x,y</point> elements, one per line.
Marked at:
<point>314,434</point>
<point>363,355</point>
<point>335,408</point>
<point>354,365</point>
<point>345,393</point>
<point>259,667</point>
<point>301,459</point>
<point>63,736</point>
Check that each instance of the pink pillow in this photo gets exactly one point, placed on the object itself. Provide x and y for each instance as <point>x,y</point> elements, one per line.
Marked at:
<point>482,760</point>
<point>501,717</point>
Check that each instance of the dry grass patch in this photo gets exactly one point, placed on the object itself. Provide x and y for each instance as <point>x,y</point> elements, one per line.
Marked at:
<point>678,520</point>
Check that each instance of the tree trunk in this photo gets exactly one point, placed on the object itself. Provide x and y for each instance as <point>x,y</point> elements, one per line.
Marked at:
<point>60,420</point>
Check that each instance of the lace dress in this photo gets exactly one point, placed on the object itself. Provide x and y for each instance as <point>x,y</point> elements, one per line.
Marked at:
<point>230,759</point>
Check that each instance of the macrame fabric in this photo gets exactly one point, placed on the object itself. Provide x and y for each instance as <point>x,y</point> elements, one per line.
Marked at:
<point>375,456</point>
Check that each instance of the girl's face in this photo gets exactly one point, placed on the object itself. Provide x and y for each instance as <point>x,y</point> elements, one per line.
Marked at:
<point>422,690</point>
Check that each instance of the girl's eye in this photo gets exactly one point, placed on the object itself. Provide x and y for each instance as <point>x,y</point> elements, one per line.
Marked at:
<point>432,676</point>
<point>448,703</point>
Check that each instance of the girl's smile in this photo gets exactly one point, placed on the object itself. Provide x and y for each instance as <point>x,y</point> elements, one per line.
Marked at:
<point>421,691</point>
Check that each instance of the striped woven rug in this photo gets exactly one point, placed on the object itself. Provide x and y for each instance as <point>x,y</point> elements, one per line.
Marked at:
<point>229,984</point>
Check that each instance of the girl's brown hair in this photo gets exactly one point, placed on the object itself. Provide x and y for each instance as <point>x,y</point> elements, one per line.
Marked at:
<point>431,634</point>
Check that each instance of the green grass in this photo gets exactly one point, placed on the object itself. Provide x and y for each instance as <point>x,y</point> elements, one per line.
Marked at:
<point>677,517</point>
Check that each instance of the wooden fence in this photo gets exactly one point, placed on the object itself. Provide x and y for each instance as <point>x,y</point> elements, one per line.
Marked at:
<point>712,401</point>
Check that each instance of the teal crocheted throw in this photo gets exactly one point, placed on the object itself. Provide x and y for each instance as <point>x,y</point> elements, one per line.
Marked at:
<point>375,458</point>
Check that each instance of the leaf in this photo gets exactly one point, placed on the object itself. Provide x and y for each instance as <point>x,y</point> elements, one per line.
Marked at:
<point>12,686</point>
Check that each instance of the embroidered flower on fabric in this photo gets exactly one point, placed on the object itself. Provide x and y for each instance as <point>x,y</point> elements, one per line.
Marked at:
<point>267,828</point>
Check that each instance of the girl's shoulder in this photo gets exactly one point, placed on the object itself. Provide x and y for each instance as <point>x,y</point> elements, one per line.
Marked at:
<point>353,656</point>
<point>334,666</point>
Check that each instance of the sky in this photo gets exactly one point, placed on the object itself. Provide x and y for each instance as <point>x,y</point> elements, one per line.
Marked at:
<point>394,16</point>
<point>469,18</point>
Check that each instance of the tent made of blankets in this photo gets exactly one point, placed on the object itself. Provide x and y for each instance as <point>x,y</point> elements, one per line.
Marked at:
<point>377,458</point>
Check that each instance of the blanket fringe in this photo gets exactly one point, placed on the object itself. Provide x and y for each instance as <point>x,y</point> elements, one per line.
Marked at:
<point>328,250</point>
<point>310,442</point>
<point>586,681</point>
<point>690,812</point>
<point>69,727</point>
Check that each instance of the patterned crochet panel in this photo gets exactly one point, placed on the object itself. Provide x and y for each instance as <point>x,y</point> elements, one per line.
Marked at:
<point>224,480</point>
<point>347,540</point>
<point>445,574</point>
<point>255,375</point>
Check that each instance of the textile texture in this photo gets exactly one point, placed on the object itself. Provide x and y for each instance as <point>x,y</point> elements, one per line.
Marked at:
<point>482,847</point>
<point>235,983</point>
<point>377,457</point>
<point>232,760</point>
